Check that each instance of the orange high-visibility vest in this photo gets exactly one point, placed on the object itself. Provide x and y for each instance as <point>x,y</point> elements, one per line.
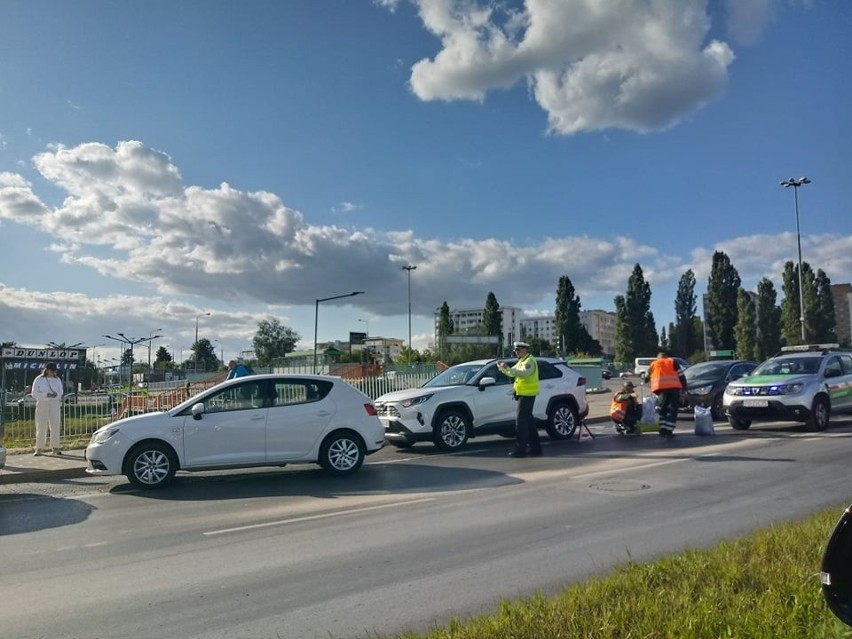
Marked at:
<point>664,374</point>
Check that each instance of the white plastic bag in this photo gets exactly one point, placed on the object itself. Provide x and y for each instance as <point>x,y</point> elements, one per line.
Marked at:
<point>704,421</point>
<point>649,410</point>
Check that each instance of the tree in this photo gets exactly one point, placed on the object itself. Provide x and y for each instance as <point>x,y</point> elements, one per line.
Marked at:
<point>768,321</point>
<point>722,290</point>
<point>570,331</point>
<point>824,322</point>
<point>204,355</point>
<point>273,340</point>
<point>746,329</point>
<point>682,340</point>
<point>491,320</point>
<point>445,328</point>
<point>163,359</point>
<point>635,329</point>
<point>791,326</point>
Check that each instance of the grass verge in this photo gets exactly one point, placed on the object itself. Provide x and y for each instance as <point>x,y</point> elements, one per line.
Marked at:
<point>763,586</point>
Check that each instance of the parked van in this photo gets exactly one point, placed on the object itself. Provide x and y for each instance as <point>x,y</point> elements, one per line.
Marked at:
<point>641,365</point>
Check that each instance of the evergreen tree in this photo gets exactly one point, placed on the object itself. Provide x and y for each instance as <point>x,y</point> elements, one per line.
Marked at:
<point>791,327</point>
<point>746,330</point>
<point>791,313</point>
<point>445,328</point>
<point>722,290</point>
<point>768,321</point>
<point>492,321</point>
<point>571,335</point>
<point>204,355</point>
<point>682,339</point>
<point>273,340</point>
<point>635,329</point>
<point>824,322</point>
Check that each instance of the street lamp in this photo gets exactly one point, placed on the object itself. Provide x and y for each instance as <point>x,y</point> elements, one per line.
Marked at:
<point>409,268</point>
<point>796,184</point>
<point>222,351</point>
<point>131,341</point>
<point>195,346</point>
<point>316,317</point>
<point>150,344</point>
<point>366,327</point>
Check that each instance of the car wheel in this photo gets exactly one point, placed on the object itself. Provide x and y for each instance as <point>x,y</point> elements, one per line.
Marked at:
<point>738,424</point>
<point>342,453</point>
<point>562,422</point>
<point>451,430</point>
<point>820,414</point>
<point>717,410</point>
<point>150,466</point>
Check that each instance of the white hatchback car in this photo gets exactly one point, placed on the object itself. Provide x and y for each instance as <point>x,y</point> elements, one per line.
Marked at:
<point>257,420</point>
<point>475,398</point>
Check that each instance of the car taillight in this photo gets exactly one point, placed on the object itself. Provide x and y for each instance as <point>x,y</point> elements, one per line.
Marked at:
<point>371,410</point>
<point>581,381</point>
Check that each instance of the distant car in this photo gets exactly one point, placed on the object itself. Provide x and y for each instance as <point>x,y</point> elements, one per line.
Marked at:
<point>475,398</point>
<point>801,384</point>
<point>643,364</point>
<point>29,400</point>
<point>706,383</point>
<point>606,373</point>
<point>258,420</point>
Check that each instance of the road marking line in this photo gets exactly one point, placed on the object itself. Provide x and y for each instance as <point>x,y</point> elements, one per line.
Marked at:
<point>294,520</point>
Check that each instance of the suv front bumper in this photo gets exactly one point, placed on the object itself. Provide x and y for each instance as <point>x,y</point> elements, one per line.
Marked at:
<point>773,411</point>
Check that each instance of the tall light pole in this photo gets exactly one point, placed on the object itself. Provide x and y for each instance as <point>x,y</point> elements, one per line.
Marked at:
<point>131,341</point>
<point>195,345</point>
<point>366,327</point>
<point>222,350</point>
<point>150,344</point>
<point>409,268</point>
<point>316,317</point>
<point>796,184</point>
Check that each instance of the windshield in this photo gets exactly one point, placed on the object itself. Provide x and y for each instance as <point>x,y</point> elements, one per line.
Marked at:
<point>705,371</point>
<point>454,376</point>
<point>789,366</point>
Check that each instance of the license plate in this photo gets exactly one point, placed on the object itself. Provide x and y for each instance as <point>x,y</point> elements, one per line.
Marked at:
<point>755,403</point>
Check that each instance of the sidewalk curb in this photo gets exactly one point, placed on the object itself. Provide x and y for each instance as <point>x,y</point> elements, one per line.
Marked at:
<point>8,476</point>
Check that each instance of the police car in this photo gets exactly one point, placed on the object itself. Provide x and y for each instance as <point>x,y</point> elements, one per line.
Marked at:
<point>804,383</point>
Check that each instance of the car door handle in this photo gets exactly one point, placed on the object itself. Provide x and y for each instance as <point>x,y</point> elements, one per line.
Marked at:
<point>323,413</point>
<point>258,418</point>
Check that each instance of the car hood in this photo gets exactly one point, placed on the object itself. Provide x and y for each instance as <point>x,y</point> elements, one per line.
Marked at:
<point>772,380</point>
<point>130,424</point>
<point>397,396</point>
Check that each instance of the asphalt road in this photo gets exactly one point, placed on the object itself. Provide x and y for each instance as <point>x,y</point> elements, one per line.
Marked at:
<point>413,539</point>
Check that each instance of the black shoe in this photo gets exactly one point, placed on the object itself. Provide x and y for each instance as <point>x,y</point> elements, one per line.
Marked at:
<point>535,453</point>
<point>666,433</point>
<point>518,453</point>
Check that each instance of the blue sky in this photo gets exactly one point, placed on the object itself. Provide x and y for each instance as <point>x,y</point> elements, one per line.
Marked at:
<point>160,159</point>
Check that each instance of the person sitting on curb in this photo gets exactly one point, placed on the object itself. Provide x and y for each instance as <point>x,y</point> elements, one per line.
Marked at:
<point>625,409</point>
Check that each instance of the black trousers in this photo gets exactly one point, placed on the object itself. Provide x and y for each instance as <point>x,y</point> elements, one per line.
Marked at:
<point>526,432</point>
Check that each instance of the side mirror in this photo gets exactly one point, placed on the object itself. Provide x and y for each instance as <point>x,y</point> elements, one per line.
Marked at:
<point>197,410</point>
<point>836,569</point>
<point>486,381</point>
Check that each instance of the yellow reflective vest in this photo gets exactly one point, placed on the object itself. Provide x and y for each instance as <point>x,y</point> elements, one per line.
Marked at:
<point>525,372</point>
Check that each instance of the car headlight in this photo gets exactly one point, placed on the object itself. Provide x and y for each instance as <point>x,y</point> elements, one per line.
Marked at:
<point>414,401</point>
<point>700,390</point>
<point>790,389</point>
<point>101,436</point>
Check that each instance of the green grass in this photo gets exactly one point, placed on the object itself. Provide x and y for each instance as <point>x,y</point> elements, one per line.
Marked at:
<point>763,586</point>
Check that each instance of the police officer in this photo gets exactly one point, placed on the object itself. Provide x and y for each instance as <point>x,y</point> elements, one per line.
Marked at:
<point>525,374</point>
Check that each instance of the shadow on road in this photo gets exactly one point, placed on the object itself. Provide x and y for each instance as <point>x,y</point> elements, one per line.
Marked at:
<point>26,512</point>
<point>374,479</point>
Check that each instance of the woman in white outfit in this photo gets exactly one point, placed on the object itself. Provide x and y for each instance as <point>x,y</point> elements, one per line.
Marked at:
<point>47,391</point>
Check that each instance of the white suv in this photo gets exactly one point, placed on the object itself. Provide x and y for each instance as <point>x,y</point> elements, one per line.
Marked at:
<point>475,398</point>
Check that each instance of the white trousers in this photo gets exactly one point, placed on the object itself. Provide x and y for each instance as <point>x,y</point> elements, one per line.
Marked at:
<point>48,415</point>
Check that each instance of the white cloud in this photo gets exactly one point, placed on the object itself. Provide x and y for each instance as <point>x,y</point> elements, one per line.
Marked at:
<point>128,216</point>
<point>640,66</point>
